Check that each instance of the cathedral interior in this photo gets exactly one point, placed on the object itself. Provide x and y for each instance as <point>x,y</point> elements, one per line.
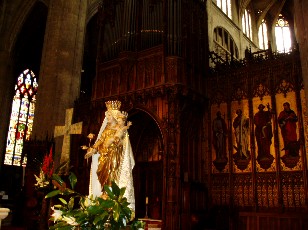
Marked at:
<point>216,91</point>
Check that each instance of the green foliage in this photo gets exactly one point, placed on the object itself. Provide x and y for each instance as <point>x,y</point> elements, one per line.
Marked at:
<point>77,211</point>
<point>57,178</point>
<point>73,180</point>
<point>137,224</point>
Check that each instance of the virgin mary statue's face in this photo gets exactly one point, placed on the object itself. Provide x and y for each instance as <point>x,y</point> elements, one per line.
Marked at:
<point>110,118</point>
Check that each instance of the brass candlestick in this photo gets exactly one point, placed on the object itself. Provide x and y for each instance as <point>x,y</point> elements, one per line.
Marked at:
<point>146,207</point>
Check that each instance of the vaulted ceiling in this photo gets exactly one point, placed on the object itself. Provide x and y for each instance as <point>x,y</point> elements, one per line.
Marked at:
<point>268,9</point>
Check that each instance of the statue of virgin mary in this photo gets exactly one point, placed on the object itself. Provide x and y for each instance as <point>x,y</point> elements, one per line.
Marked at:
<point>112,155</point>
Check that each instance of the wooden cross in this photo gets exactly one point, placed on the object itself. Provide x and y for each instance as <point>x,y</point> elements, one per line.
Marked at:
<point>66,131</point>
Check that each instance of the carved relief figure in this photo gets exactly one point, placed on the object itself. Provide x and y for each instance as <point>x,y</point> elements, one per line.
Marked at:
<point>287,122</point>
<point>241,128</point>
<point>219,128</point>
<point>263,131</point>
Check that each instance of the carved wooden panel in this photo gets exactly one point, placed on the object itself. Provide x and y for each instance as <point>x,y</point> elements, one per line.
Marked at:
<point>132,71</point>
<point>266,183</point>
<point>281,221</point>
<point>220,190</point>
<point>243,190</point>
<point>293,192</point>
<point>267,190</point>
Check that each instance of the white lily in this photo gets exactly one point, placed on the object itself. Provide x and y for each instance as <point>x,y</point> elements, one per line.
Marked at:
<point>57,214</point>
<point>70,220</point>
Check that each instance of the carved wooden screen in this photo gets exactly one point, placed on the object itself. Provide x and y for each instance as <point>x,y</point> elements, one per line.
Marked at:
<point>258,159</point>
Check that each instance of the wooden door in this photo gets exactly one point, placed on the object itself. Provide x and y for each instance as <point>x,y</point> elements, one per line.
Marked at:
<point>148,182</point>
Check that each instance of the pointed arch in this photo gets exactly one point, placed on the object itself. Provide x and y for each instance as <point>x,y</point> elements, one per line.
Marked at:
<point>147,142</point>
<point>224,43</point>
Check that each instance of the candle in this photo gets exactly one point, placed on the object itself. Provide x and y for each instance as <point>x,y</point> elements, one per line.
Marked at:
<point>23,175</point>
<point>146,200</point>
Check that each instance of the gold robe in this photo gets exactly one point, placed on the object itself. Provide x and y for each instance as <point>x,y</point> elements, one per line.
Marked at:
<point>110,157</point>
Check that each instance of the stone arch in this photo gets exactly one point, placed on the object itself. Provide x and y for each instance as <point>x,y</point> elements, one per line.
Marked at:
<point>17,24</point>
<point>224,39</point>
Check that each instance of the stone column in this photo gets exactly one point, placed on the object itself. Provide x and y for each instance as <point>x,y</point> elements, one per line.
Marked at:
<point>301,33</point>
<point>61,65</point>
<point>6,95</point>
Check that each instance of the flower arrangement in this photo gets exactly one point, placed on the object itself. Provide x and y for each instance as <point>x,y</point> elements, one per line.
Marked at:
<point>110,211</point>
<point>76,211</point>
<point>46,172</point>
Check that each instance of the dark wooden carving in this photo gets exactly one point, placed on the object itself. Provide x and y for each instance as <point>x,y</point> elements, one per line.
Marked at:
<point>280,187</point>
<point>221,163</point>
<point>159,68</point>
<point>241,161</point>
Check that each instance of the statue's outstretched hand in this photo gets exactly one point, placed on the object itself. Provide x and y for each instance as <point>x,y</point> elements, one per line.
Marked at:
<point>90,152</point>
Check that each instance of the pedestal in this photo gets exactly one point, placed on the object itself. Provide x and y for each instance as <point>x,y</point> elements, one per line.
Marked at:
<point>152,224</point>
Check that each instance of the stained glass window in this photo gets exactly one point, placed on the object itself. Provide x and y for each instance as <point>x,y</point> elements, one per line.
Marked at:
<point>21,120</point>
<point>283,35</point>
<point>263,40</point>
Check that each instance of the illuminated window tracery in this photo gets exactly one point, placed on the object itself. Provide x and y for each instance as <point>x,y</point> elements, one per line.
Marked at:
<point>283,35</point>
<point>21,120</point>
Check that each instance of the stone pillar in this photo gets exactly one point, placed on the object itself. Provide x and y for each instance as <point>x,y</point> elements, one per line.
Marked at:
<point>6,95</point>
<point>61,65</point>
<point>301,33</point>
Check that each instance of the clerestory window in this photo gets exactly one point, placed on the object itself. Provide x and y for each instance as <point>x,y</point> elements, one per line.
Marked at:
<point>225,6</point>
<point>282,35</point>
<point>262,34</point>
<point>246,24</point>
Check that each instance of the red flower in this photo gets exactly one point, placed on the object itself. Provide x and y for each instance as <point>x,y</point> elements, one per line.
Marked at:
<point>48,166</point>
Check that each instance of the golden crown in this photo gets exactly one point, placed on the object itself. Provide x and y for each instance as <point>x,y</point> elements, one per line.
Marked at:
<point>124,114</point>
<point>113,105</point>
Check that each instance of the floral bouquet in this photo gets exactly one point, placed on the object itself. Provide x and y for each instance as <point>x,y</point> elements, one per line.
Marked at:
<point>110,211</point>
<point>46,172</point>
